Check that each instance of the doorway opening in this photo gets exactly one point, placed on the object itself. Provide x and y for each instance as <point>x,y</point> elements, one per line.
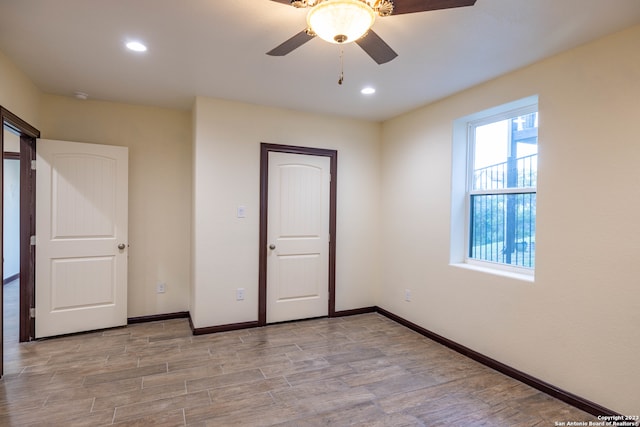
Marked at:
<point>11,237</point>
<point>20,140</point>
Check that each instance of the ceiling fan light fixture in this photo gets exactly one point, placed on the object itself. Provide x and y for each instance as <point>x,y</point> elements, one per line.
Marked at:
<point>341,21</point>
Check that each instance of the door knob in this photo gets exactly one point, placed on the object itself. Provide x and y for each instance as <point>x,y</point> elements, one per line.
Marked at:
<point>272,246</point>
<point>121,246</point>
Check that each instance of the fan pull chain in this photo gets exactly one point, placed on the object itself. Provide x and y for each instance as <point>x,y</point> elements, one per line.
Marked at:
<point>341,79</point>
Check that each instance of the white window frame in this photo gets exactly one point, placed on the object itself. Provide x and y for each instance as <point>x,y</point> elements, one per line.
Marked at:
<point>462,185</point>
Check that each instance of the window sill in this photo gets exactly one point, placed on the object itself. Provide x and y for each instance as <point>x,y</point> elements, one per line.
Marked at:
<point>510,274</point>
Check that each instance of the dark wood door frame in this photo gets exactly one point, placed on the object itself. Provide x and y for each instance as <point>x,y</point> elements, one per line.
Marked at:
<point>27,229</point>
<point>28,135</point>
<point>265,149</point>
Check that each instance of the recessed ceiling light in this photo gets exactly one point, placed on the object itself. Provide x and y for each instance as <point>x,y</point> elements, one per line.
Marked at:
<point>81,95</point>
<point>136,47</point>
<point>368,91</point>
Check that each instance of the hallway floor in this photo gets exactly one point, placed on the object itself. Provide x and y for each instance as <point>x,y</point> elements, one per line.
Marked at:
<point>11,319</point>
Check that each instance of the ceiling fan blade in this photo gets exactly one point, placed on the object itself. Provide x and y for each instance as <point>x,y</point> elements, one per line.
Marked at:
<point>412,6</point>
<point>282,1</point>
<point>376,48</point>
<point>293,43</point>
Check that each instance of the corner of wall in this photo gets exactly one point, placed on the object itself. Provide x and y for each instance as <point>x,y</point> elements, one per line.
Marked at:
<point>18,93</point>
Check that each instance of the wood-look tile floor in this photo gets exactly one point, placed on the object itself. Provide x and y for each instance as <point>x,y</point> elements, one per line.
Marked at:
<point>363,370</point>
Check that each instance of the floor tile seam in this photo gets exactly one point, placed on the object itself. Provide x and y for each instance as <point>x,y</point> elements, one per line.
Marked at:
<point>382,380</point>
<point>113,418</point>
<point>230,370</point>
<point>166,409</point>
<point>376,402</point>
<point>432,416</point>
<point>24,368</point>
<point>284,378</point>
<point>143,399</point>
<point>465,377</point>
<point>273,399</point>
<point>289,357</point>
<point>21,409</point>
<point>214,416</point>
<point>509,390</point>
<point>318,411</point>
<point>178,373</point>
<point>24,376</point>
<point>184,417</point>
<point>45,401</point>
<point>330,412</point>
<point>445,396</point>
<point>322,378</point>
<point>221,386</point>
<point>61,372</point>
<point>34,413</point>
<point>142,387</point>
<point>7,377</point>
<point>127,377</point>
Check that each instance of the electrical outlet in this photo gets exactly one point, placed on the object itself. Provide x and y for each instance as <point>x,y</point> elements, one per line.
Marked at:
<point>240,294</point>
<point>161,287</point>
<point>407,295</point>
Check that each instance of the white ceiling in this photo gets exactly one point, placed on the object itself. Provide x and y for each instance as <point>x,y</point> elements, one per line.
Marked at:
<point>217,48</point>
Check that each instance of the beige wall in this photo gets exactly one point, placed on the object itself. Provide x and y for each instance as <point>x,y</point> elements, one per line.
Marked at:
<point>226,175</point>
<point>17,93</point>
<point>159,142</point>
<point>577,325</point>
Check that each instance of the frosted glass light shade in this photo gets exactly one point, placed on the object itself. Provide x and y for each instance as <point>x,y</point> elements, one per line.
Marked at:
<point>341,21</point>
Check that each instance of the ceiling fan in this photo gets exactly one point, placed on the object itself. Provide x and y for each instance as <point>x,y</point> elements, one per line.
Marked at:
<point>345,21</point>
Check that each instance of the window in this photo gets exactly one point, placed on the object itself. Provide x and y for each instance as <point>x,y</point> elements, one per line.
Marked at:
<point>495,172</point>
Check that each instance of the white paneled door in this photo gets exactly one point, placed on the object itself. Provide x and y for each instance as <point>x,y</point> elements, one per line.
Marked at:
<point>81,243</point>
<point>297,236</point>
